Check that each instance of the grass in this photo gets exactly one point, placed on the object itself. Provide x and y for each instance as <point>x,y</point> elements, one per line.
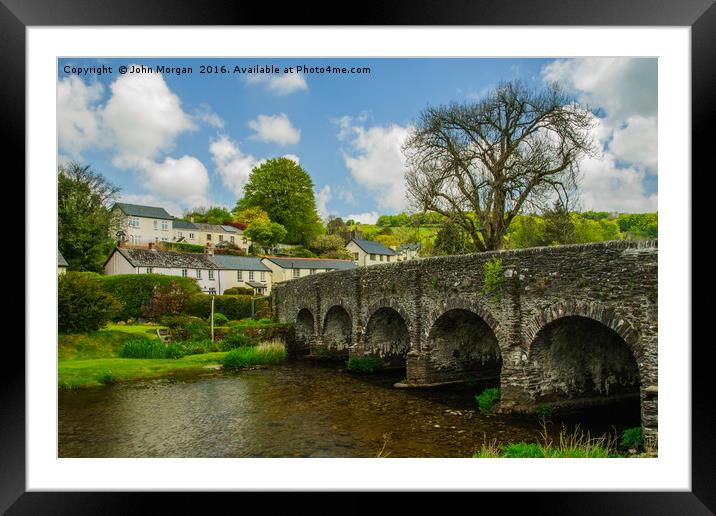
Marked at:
<point>574,445</point>
<point>103,343</point>
<point>486,399</point>
<point>364,364</point>
<point>272,352</point>
<point>73,374</point>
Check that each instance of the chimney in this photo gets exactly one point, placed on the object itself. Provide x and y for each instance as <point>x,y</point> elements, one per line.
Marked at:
<point>151,246</point>
<point>208,250</point>
<point>122,243</point>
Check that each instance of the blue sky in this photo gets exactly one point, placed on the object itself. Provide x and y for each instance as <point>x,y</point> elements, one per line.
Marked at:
<point>185,140</point>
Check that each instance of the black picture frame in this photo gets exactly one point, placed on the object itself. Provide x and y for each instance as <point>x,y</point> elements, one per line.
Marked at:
<point>700,15</point>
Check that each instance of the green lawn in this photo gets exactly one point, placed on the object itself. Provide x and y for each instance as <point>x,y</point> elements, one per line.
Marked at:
<point>73,374</point>
<point>104,343</point>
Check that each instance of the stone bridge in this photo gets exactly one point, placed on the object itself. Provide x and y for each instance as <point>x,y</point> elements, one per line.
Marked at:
<point>561,326</point>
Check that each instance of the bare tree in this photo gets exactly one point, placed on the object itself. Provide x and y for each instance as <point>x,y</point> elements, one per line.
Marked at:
<point>480,164</point>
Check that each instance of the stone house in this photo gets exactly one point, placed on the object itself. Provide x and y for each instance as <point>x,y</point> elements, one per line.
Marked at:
<point>287,268</point>
<point>243,271</point>
<point>368,252</point>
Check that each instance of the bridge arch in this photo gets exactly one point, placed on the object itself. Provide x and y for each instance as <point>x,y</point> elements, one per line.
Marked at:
<point>583,354</point>
<point>387,332</point>
<point>337,331</point>
<point>305,328</point>
<point>457,303</point>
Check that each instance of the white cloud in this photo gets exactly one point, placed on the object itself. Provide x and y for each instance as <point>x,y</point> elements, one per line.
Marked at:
<point>622,86</point>
<point>143,117</point>
<point>208,116</point>
<point>293,158</point>
<point>77,117</point>
<point>283,84</point>
<point>233,166</point>
<point>322,198</point>
<point>376,161</point>
<point>185,180</point>
<point>370,217</point>
<point>277,129</point>
<point>637,142</point>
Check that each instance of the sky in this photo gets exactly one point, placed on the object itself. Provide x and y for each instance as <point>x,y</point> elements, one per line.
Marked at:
<point>182,140</point>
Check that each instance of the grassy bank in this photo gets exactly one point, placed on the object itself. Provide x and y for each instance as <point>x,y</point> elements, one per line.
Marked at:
<point>104,343</point>
<point>73,374</point>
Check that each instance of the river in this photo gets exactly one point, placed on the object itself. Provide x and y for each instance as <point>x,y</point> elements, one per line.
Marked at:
<point>299,409</point>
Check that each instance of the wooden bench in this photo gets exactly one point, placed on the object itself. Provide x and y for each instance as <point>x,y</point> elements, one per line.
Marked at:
<point>165,335</point>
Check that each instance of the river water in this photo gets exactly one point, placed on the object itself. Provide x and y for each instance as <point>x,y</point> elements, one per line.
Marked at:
<point>299,409</point>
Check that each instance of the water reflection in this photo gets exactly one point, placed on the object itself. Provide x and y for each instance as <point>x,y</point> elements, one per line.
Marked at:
<point>296,410</point>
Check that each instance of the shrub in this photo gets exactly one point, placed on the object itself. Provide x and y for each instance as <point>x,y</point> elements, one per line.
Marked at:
<point>364,364</point>
<point>219,319</point>
<point>233,307</point>
<point>82,304</point>
<point>545,410</point>
<point>235,339</point>
<point>267,353</point>
<point>197,347</point>
<point>494,277</point>
<point>239,291</point>
<point>633,438</point>
<point>166,299</point>
<point>174,351</point>
<point>142,348</point>
<point>487,399</point>
<point>134,290</point>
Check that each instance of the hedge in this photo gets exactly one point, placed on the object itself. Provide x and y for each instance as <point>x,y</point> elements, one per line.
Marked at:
<point>82,304</point>
<point>134,290</point>
<point>233,307</point>
<point>239,291</point>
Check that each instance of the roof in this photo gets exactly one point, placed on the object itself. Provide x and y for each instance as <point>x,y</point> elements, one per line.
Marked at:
<point>239,263</point>
<point>166,259</point>
<point>231,229</point>
<point>372,247</point>
<point>61,262</point>
<point>409,247</point>
<point>311,263</point>
<point>183,224</point>
<point>216,228</point>
<point>256,284</point>
<point>137,210</point>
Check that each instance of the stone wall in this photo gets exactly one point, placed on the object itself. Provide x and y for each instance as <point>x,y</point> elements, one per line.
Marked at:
<point>438,313</point>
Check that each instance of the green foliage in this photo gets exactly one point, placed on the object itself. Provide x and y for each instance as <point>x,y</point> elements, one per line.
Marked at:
<point>219,319</point>
<point>522,451</point>
<point>487,399</point>
<point>249,215</point>
<point>633,438</point>
<point>213,215</point>
<point>82,304</point>
<point>182,247</point>
<point>451,239</point>
<point>134,290</point>
<point>166,299</point>
<point>558,225</point>
<point>494,277</point>
<point>142,348</point>
<point>335,226</point>
<point>198,346</point>
<point>85,224</point>
<point>243,357</point>
<point>364,364</point>
<point>267,233</point>
<point>239,291</point>
<point>545,411</point>
<point>639,225</point>
<point>187,328</point>
<point>233,307</point>
<point>526,231</point>
<point>283,189</point>
<point>235,339</point>
<point>388,240</point>
<point>299,252</point>
<point>323,244</point>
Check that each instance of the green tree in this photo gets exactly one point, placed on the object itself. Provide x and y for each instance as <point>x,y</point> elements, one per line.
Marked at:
<point>326,243</point>
<point>558,225</point>
<point>85,223</point>
<point>388,240</point>
<point>452,239</point>
<point>336,226</point>
<point>212,215</point>
<point>267,234</point>
<point>283,189</point>
<point>249,215</point>
<point>526,231</point>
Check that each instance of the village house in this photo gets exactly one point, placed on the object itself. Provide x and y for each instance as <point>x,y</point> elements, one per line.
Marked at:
<point>367,252</point>
<point>286,268</point>
<point>218,234</point>
<point>152,261</point>
<point>185,232</point>
<point>408,252</point>
<point>61,263</point>
<point>243,271</point>
<point>142,224</point>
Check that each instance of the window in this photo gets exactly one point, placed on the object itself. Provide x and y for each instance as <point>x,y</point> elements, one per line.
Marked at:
<point>155,225</point>
<point>381,257</point>
<point>150,270</point>
<point>372,257</point>
<point>231,239</point>
<point>387,258</point>
<point>240,275</point>
<point>135,239</point>
<point>211,274</point>
<point>180,234</point>
<point>263,276</point>
<point>134,222</point>
<point>221,238</point>
<point>198,273</point>
<point>212,291</point>
<point>165,225</point>
<point>251,275</point>
<point>164,239</point>
<point>184,273</point>
<point>296,273</point>
<point>312,271</point>
<point>355,257</point>
<point>208,237</point>
<point>326,270</point>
